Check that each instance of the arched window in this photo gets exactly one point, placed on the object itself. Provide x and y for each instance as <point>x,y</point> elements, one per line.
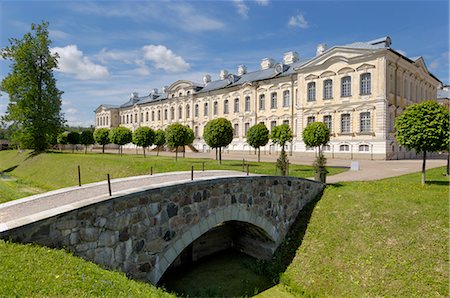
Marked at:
<point>172,113</point>
<point>188,111</point>
<point>153,115</point>
<point>166,114</point>
<point>128,119</point>
<point>346,86</point>
<point>363,148</point>
<point>206,109</point>
<point>344,147</point>
<point>196,110</point>
<point>180,112</point>
<point>328,89</point>
<point>146,116</point>
<point>225,106</point>
<point>159,115</point>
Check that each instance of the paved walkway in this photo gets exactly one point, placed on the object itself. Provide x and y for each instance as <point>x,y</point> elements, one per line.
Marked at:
<point>20,212</point>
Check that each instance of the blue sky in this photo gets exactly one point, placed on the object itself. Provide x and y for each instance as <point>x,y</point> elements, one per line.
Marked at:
<point>109,49</point>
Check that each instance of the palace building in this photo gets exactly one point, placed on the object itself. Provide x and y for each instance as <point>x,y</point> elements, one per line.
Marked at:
<point>357,89</point>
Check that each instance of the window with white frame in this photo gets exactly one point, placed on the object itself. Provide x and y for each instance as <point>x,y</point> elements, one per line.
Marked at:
<point>180,112</point>
<point>166,114</point>
<point>142,117</point>
<point>365,122</point>
<point>328,89</point>
<point>363,148</point>
<point>328,120</point>
<point>247,104</point>
<point>346,86</point>
<point>365,84</point>
<point>326,148</point>
<point>225,106</point>
<point>196,110</point>
<point>172,113</point>
<point>188,111</point>
<point>273,100</point>
<point>246,128</point>
<point>286,97</point>
<point>153,115</point>
<point>273,124</point>
<point>205,111</point>
<point>127,119</point>
<point>236,130</point>
<point>310,119</point>
<point>345,123</point>
<point>236,105</point>
<point>159,115</point>
<point>344,147</point>
<point>146,116</point>
<point>262,102</point>
<point>286,122</point>
<point>311,96</point>
<point>215,108</point>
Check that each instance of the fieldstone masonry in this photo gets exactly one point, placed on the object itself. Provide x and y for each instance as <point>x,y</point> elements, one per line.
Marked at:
<point>143,233</point>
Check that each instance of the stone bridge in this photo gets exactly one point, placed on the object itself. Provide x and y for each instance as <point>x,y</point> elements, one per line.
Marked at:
<point>164,222</point>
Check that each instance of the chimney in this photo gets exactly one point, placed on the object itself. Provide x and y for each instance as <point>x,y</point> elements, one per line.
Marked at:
<point>321,48</point>
<point>242,69</point>
<point>206,79</point>
<point>223,74</point>
<point>267,63</point>
<point>134,95</point>
<point>290,57</point>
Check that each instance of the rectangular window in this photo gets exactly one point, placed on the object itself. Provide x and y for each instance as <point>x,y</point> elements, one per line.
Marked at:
<point>311,91</point>
<point>206,109</point>
<point>262,102</point>
<point>225,106</point>
<point>328,89</point>
<point>273,124</point>
<point>159,115</point>
<point>328,120</point>
<point>363,148</point>
<point>286,122</point>
<point>247,104</point>
<point>146,116</point>
<point>142,117</point>
<point>346,86</point>
<point>180,113</point>
<point>365,84</point>
<point>365,122</point>
<point>310,119</point>
<point>188,111</point>
<point>345,123</point>
<point>236,130</point>
<point>196,110</point>
<point>236,105</point>
<point>153,115</point>
<point>286,98</point>
<point>273,100</point>
<point>246,128</point>
<point>216,108</point>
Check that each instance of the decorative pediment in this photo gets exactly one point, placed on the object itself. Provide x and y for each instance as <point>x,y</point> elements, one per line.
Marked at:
<point>345,108</point>
<point>180,84</point>
<point>262,89</point>
<point>327,74</point>
<point>311,77</point>
<point>420,63</point>
<point>310,112</point>
<point>327,110</point>
<point>365,66</point>
<point>365,107</point>
<point>346,70</point>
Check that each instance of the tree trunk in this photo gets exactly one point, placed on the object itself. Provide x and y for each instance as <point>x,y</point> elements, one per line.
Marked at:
<point>216,153</point>
<point>184,151</point>
<point>103,149</point>
<point>448,163</point>
<point>176,153</point>
<point>143,148</point>
<point>73,148</point>
<point>423,167</point>
<point>157,150</point>
<point>220,155</point>
<point>259,154</point>
<point>85,149</point>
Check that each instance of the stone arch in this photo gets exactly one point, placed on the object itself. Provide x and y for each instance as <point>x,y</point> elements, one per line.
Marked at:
<point>228,213</point>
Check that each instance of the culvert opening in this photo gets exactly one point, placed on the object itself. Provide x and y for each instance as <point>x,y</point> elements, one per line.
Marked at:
<point>225,261</point>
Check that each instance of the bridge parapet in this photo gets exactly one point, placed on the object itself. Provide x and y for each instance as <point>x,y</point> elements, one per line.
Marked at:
<point>145,232</point>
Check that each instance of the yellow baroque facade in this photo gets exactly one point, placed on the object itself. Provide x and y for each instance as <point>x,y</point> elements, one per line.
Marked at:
<point>357,90</point>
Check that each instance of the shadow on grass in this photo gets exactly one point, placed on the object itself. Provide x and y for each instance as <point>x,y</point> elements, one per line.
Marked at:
<point>10,169</point>
<point>438,182</point>
<point>335,184</point>
<point>285,253</point>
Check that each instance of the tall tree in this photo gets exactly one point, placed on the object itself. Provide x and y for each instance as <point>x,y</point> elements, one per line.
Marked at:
<point>282,134</point>
<point>34,100</point>
<point>73,138</point>
<point>218,133</point>
<point>120,136</point>
<point>424,127</point>
<point>178,135</point>
<point>101,137</point>
<point>258,136</point>
<point>143,137</point>
<point>160,139</point>
<point>86,138</point>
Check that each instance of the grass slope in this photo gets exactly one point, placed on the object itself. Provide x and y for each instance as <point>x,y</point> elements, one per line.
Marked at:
<point>382,238</point>
<point>55,170</point>
<point>30,270</point>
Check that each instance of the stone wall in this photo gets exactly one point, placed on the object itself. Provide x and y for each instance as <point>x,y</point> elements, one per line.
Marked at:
<point>143,233</point>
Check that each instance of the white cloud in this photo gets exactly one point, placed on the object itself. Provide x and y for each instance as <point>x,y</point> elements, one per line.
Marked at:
<point>164,58</point>
<point>58,34</point>
<point>71,111</point>
<point>298,21</point>
<point>242,8</point>
<point>262,2</point>
<point>72,61</point>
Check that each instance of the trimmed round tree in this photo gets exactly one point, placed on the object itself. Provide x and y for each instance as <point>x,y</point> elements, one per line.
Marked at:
<point>281,134</point>
<point>160,140</point>
<point>190,136</point>
<point>143,137</point>
<point>176,135</point>
<point>424,127</point>
<point>218,133</point>
<point>317,134</point>
<point>120,136</point>
<point>86,138</point>
<point>101,137</point>
<point>73,138</point>
<point>258,136</point>
<point>62,139</point>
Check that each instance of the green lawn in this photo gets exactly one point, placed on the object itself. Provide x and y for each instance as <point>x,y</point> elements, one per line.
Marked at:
<point>33,271</point>
<point>55,170</point>
<point>381,238</point>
